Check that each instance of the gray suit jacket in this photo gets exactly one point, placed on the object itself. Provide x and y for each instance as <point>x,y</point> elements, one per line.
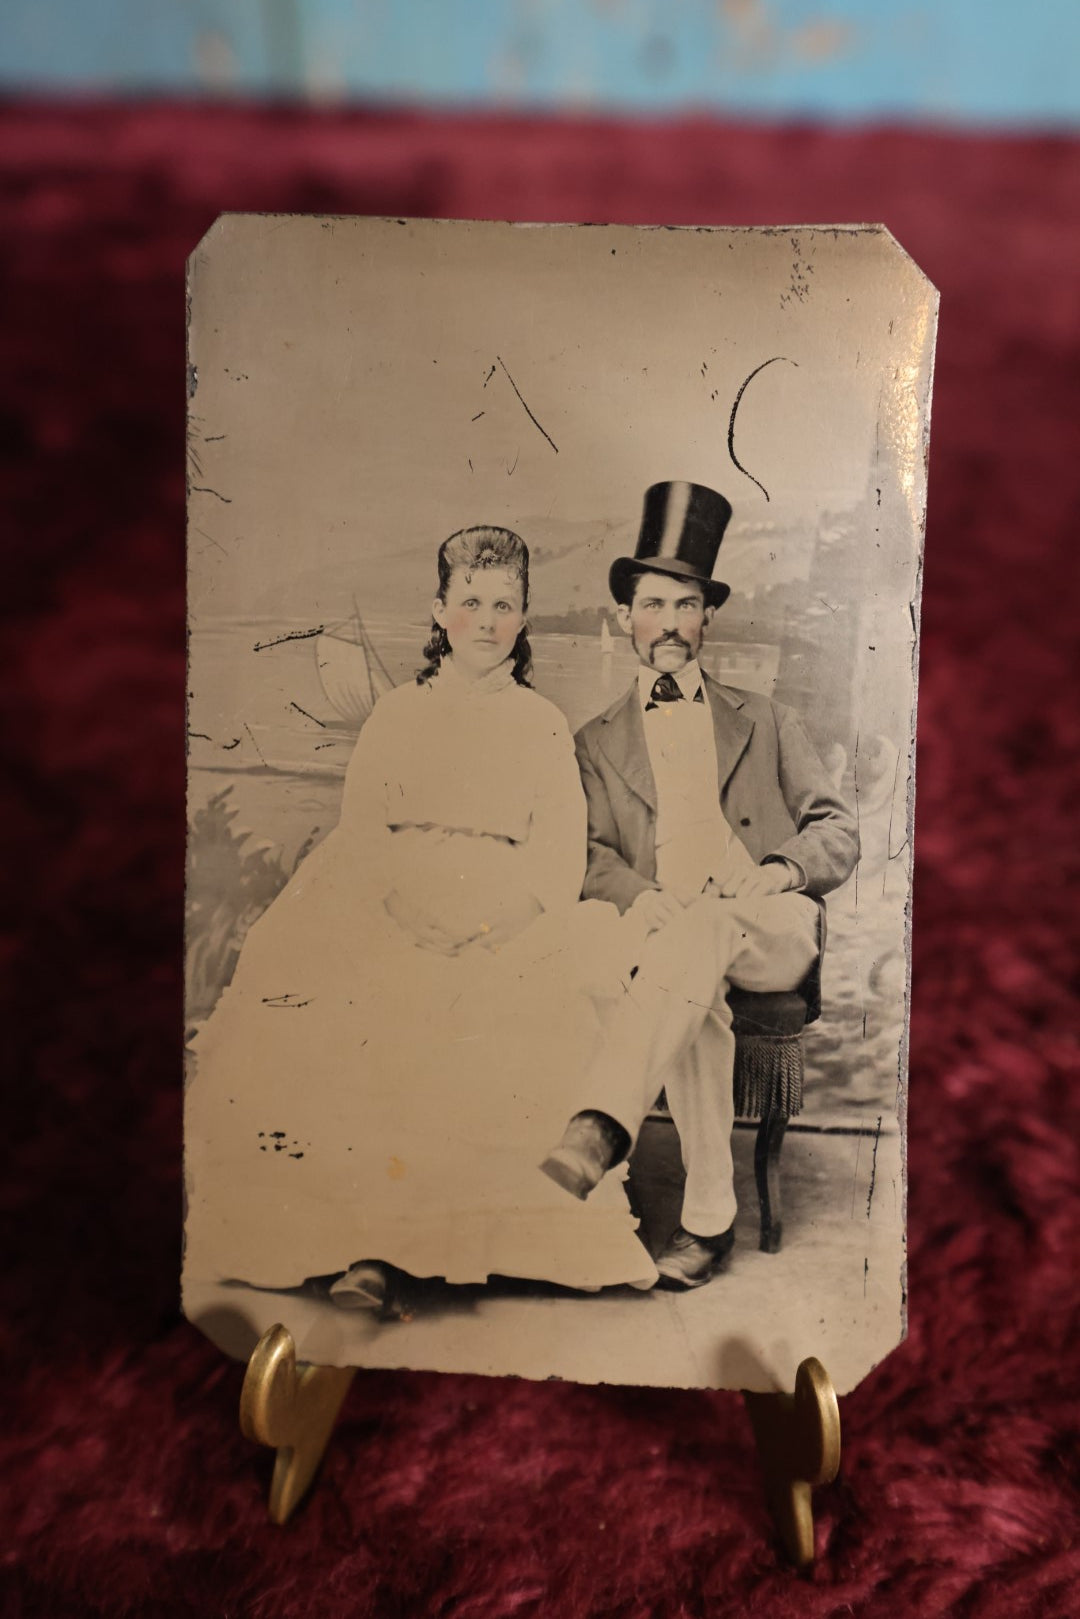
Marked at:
<point>774,791</point>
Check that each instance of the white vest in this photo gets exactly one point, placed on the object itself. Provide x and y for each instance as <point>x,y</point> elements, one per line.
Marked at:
<point>693,839</point>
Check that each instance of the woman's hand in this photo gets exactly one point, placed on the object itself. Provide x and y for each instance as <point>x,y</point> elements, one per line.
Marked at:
<point>491,925</point>
<point>512,918</point>
<point>422,929</point>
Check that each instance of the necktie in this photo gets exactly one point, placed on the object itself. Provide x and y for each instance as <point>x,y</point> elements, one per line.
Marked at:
<point>666,689</point>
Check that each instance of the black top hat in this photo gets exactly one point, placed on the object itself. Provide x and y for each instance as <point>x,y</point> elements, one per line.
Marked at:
<point>681,530</point>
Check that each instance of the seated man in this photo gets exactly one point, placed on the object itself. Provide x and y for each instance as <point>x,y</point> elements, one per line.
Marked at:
<point>710,815</point>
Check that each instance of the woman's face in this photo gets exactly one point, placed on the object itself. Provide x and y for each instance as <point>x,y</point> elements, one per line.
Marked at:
<point>482,617</point>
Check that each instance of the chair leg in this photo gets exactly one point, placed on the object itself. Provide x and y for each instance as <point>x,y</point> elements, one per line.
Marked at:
<point>770,1139</point>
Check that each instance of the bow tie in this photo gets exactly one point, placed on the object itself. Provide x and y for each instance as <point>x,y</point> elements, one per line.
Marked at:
<point>666,689</point>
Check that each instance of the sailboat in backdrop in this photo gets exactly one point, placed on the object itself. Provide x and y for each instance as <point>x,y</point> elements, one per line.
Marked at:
<point>352,675</point>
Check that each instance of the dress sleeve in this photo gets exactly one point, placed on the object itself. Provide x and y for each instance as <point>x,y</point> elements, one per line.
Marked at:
<point>556,851</point>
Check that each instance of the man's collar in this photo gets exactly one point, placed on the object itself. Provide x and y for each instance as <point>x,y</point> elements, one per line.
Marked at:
<point>688,679</point>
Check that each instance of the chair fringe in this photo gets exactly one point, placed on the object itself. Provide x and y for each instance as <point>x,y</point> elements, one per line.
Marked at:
<point>768,1075</point>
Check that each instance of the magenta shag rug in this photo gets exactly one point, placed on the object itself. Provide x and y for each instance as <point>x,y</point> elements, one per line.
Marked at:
<point>128,1488</point>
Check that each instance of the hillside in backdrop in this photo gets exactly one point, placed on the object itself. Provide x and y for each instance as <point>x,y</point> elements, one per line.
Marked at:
<point>570,559</point>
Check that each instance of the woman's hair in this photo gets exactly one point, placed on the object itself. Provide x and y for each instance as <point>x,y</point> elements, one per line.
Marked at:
<point>471,549</point>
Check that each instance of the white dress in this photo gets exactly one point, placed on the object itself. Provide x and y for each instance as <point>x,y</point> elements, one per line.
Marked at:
<point>372,1088</point>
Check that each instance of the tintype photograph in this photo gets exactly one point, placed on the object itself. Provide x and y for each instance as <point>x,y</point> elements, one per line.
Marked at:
<point>553,615</point>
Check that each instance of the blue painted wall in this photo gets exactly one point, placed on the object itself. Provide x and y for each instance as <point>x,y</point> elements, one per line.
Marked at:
<point>956,61</point>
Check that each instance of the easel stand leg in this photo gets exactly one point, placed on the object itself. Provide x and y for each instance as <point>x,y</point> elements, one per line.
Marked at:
<point>292,1409</point>
<point>798,1440</point>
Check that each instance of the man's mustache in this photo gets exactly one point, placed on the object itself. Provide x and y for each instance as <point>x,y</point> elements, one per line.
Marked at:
<point>671,638</point>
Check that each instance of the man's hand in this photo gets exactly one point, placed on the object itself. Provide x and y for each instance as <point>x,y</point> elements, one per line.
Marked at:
<point>775,878</point>
<point>656,907</point>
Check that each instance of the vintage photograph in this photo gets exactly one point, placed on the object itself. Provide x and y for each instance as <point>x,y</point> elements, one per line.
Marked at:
<point>553,634</point>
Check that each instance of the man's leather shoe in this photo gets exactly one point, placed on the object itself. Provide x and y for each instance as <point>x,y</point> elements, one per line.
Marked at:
<point>591,1144</point>
<point>690,1261</point>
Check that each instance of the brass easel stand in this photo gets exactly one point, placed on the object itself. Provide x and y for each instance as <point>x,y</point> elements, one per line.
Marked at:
<point>293,1409</point>
<point>798,1440</point>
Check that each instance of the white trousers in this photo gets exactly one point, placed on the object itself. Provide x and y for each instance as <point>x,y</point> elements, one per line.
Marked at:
<point>672,1030</point>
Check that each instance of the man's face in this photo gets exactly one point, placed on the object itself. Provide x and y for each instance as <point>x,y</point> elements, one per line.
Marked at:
<point>666,621</point>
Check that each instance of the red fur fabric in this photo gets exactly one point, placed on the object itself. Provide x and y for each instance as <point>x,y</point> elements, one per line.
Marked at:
<point>129,1489</point>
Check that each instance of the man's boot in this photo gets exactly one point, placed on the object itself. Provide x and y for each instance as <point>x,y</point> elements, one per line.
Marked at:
<point>592,1144</point>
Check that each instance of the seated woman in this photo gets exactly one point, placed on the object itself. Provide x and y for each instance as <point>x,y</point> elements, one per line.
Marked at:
<point>410,1019</point>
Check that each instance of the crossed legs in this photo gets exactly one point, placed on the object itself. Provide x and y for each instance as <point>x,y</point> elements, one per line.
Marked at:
<point>672,1030</point>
